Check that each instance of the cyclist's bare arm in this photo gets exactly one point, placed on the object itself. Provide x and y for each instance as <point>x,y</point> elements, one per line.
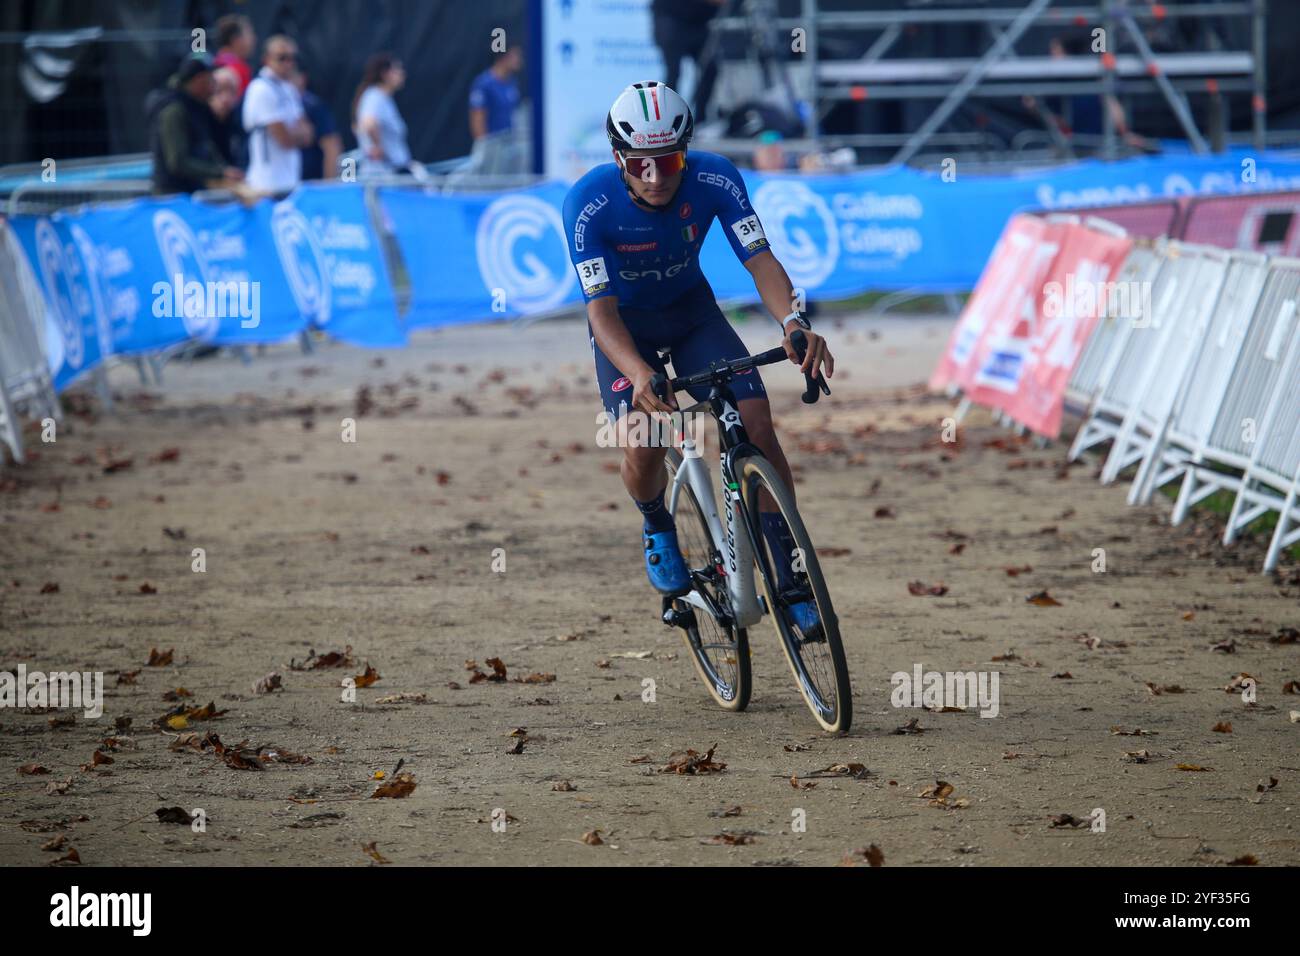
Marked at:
<point>777,292</point>
<point>616,342</point>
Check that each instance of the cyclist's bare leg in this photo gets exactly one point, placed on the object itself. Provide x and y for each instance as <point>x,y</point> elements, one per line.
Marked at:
<point>643,470</point>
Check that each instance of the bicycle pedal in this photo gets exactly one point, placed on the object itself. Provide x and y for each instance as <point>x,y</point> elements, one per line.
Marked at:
<point>679,618</point>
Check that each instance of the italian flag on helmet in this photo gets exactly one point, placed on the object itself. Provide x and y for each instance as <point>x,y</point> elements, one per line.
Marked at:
<point>649,115</point>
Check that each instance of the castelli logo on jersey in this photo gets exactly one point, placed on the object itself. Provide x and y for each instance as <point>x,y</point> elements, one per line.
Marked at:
<point>621,385</point>
<point>685,211</point>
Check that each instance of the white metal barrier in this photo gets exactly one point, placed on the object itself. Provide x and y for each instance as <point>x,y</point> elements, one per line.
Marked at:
<point>1238,424</point>
<point>1206,388</point>
<point>1125,371</point>
<point>1180,329</point>
<point>1104,345</point>
<point>1269,481</point>
<point>25,382</point>
<point>1186,431</point>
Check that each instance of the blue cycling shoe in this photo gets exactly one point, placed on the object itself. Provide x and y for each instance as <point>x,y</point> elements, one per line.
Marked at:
<point>805,617</point>
<point>664,565</point>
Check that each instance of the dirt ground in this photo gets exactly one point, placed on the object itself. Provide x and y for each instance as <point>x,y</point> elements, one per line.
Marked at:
<point>483,438</point>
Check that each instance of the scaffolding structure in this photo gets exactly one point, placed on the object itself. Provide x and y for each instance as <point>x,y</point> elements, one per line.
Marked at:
<point>1127,65</point>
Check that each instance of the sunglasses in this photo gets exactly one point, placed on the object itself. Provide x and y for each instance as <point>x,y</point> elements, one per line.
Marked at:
<point>663,164</point>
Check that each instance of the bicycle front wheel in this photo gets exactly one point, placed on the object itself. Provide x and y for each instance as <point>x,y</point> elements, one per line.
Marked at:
<point>719,649</point>
<point>817,658</point>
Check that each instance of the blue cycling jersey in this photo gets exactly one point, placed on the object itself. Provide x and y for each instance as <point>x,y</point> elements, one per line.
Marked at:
<point>650,259</point>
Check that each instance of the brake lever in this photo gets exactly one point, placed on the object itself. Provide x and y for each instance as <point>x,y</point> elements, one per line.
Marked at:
<point>814,388</point>
<point>659,385</point>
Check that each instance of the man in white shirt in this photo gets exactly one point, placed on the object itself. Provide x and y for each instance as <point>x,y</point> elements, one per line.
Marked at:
<point>277,126</point>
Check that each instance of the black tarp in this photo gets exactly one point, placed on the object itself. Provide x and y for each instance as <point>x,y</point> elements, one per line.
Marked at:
<point>443,44</point>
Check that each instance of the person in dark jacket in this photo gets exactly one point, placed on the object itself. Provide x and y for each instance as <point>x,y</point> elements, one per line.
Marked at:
<point>681,30</point>
<point>183,133</point>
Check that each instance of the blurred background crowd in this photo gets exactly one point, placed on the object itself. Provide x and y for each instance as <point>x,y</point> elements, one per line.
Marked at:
<point>282,91</point>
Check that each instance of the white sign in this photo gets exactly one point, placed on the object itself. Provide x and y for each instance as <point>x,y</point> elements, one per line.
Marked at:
<point>591,50</point>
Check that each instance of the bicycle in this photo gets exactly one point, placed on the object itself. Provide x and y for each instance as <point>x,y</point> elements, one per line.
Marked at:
<point>723,604</point>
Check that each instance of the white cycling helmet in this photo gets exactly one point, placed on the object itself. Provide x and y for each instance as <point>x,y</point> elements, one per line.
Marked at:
<point>649,115</point>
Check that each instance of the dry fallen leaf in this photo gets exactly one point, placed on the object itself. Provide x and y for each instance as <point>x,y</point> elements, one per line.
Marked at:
<point>921,589</point>
<point>1042,599</point>
<point>366,679</point>
<point>159,658</point>
<point>403,785</point>
<point>1067,820</point>
<point>1222,727</point>
<point>692,762</point>
<point>72,857</point>
<point>938,790</point>
<point>271,682</point>
<point>373,853</point>
<point>729,839</point>
<point>592,838</point>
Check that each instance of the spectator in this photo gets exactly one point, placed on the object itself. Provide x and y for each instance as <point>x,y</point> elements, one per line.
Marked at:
<point>225,108</point>
<point>236,41</point>
<point>320,160</point>
<point>376,120</point>
<point>1084,113</point>
<point>681,29</point>
<point>183,137</point>
<point>277,125</point>
<point>494,95</point>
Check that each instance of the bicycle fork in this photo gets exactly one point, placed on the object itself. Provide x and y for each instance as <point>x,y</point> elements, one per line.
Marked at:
<point>730,537</point>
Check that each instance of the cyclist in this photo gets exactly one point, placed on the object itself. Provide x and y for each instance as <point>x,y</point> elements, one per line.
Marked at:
<point>635,228</point>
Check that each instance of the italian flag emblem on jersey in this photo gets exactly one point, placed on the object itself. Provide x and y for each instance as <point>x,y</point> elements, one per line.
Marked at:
<point>691,233</point>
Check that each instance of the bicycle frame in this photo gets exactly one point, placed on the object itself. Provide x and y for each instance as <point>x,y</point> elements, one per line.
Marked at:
<point>736,547</point>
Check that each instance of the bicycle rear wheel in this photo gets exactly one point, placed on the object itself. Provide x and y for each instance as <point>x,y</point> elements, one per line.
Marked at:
<point>817,659</point>
<point>719,649</point>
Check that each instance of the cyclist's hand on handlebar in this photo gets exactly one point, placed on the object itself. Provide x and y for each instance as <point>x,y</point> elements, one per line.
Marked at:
<point>817,356</point>
<point>643,395</point>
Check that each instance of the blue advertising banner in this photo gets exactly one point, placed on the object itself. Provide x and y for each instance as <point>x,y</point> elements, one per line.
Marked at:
<point>335,266</point>
<point>149,274</point>
<point>473,257</point>
<point>73,317</point>
<point>146,275</point>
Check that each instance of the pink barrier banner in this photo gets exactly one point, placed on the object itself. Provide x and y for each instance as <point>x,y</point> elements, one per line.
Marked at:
<point>1029,317</point>
<point>1004,283</point>
<point>1264,222</point>
<point>1147,219</point>
<point>1078,290</point>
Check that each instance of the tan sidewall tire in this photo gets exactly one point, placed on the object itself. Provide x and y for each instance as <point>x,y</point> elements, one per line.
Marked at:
<point>843,691</point>
<point>744,672</point>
